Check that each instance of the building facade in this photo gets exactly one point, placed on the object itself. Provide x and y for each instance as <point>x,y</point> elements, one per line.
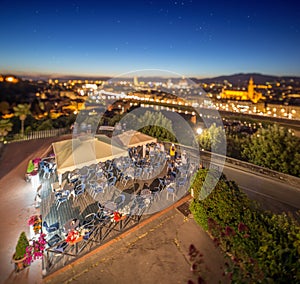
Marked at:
<point>248,95</point>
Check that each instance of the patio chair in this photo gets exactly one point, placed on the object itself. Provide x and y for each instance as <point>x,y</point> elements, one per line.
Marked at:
<point>73,179</point>
<point>171,191</point>
<point>89,221</point>
<point>61,247</point>
<point>98,188</point>
<point>79,185</point>
<point>139,202</point>
<point>124,179</point>
<point>79,191</point>
<point>156,166</point>
<point>158,189</point>
<point>147,172</point>
<point>101,217</point>
<point>61,200</point>
<point>120,201</point>
<point>181,181</point>
<point>100,206</point>
<point>52,228</point>
<point>99,174</point>
<point>111,181</point>
<point>138,173</point>
<point>54,240</point>
<point>89,233</point>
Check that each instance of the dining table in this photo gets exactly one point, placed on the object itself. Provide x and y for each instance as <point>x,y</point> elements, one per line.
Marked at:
<point>71,224</point>
<point>146,193</point>
<point>110,206</point>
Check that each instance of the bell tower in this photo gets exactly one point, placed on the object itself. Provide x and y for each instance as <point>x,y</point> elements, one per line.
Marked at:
<point>251,89</point>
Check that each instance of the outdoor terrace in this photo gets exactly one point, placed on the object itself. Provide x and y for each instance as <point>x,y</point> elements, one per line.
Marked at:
<point>104,200</point>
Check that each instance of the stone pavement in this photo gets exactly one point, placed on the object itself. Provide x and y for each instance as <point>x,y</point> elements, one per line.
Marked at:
<point>155,253</point>
<point>17,205</point>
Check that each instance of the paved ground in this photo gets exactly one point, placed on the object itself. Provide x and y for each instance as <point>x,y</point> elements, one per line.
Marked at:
<point>155,253</point>
<point>272,194</point>
<point>17,205</point>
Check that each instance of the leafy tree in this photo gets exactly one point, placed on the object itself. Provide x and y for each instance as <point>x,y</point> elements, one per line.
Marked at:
<point>151,123</point>
<point>235,145</point>
<point>5,127</point>
<point>213,139</point>
<point>46,125</point>
<point>22,110</point>
<point>276,148</point>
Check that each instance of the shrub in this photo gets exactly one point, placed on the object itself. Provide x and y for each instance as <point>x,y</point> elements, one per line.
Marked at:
<point>265,247</point>
<point>21,246</point>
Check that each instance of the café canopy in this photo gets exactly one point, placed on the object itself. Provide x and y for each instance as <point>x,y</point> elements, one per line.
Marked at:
<point>75,153</point>
<point>132,138</point>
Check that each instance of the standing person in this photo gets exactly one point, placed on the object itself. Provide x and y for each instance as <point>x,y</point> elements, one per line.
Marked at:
<point>147,151</point>
<point>162,147</point>
<point>144,151</point>
<point>183,158</point>
<point>172,152</point>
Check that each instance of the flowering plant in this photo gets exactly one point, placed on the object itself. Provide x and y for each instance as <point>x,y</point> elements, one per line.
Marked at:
<point>118,217</point>
<point>36,222</point>
<point>72,236</point>
<point>35,249</point>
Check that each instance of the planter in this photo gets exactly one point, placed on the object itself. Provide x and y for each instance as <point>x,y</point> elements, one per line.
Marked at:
<point>19,263</point>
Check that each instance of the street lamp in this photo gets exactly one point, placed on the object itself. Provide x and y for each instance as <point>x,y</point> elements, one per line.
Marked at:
<point>199,130</point>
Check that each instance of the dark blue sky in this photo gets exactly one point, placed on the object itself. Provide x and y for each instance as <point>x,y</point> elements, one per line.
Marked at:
<point>203,38</point>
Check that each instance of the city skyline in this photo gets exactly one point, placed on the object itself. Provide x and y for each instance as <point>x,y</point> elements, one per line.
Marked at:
<point>186,37</point>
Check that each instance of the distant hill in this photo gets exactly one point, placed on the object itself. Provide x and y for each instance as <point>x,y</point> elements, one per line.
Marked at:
<point>242,78</point>
<point>235,79</point>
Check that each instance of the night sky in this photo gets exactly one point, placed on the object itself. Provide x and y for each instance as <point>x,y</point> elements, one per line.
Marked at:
<point>193,38</point>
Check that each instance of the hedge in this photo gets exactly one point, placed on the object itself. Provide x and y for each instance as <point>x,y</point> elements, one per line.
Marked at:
<point>264,247</point>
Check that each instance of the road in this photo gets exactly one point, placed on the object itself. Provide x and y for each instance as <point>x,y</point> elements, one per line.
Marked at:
<point>272,194</point>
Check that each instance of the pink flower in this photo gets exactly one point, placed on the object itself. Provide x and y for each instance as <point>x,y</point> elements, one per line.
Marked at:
<point>36,249</point>
<point>229,231</point>
<point>242,227</point>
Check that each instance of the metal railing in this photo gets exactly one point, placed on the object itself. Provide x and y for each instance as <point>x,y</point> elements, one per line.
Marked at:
<point>218,160</point>
<point>37,135</point>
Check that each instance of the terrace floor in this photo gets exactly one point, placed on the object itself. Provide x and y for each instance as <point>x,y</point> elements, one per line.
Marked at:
<point>83,205</point>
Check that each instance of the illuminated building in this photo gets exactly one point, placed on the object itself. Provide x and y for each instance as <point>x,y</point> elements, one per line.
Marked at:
<point>135,81</point>
<point>11,79</point>
<point>249,95</point>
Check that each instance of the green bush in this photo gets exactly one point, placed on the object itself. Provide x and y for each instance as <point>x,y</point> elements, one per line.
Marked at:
<point>22,244</point>
<point>265,246</point>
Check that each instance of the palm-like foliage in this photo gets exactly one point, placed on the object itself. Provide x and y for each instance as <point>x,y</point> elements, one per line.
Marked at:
<point>5,127</point>
<point>22,110</point>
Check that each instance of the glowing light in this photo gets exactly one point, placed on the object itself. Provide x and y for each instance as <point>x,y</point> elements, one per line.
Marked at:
<point>199,130</point>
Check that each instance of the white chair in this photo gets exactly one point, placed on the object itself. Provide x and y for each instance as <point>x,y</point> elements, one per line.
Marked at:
<point>171,190</point>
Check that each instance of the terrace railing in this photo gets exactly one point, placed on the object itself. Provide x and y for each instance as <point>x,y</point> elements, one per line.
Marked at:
<point>37,135</point>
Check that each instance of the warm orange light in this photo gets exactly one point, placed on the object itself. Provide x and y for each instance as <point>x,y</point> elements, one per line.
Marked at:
<point>11,79</point>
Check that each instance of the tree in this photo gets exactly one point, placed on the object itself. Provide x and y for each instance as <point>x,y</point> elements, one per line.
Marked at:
<point>151,123</point>
<point>213,139</point>
<point>274,147</point>
<point>21,246</point>
<point>22,110</point>
<point>5,127</point>
<point>235,145</point>
<point>46,125</point>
